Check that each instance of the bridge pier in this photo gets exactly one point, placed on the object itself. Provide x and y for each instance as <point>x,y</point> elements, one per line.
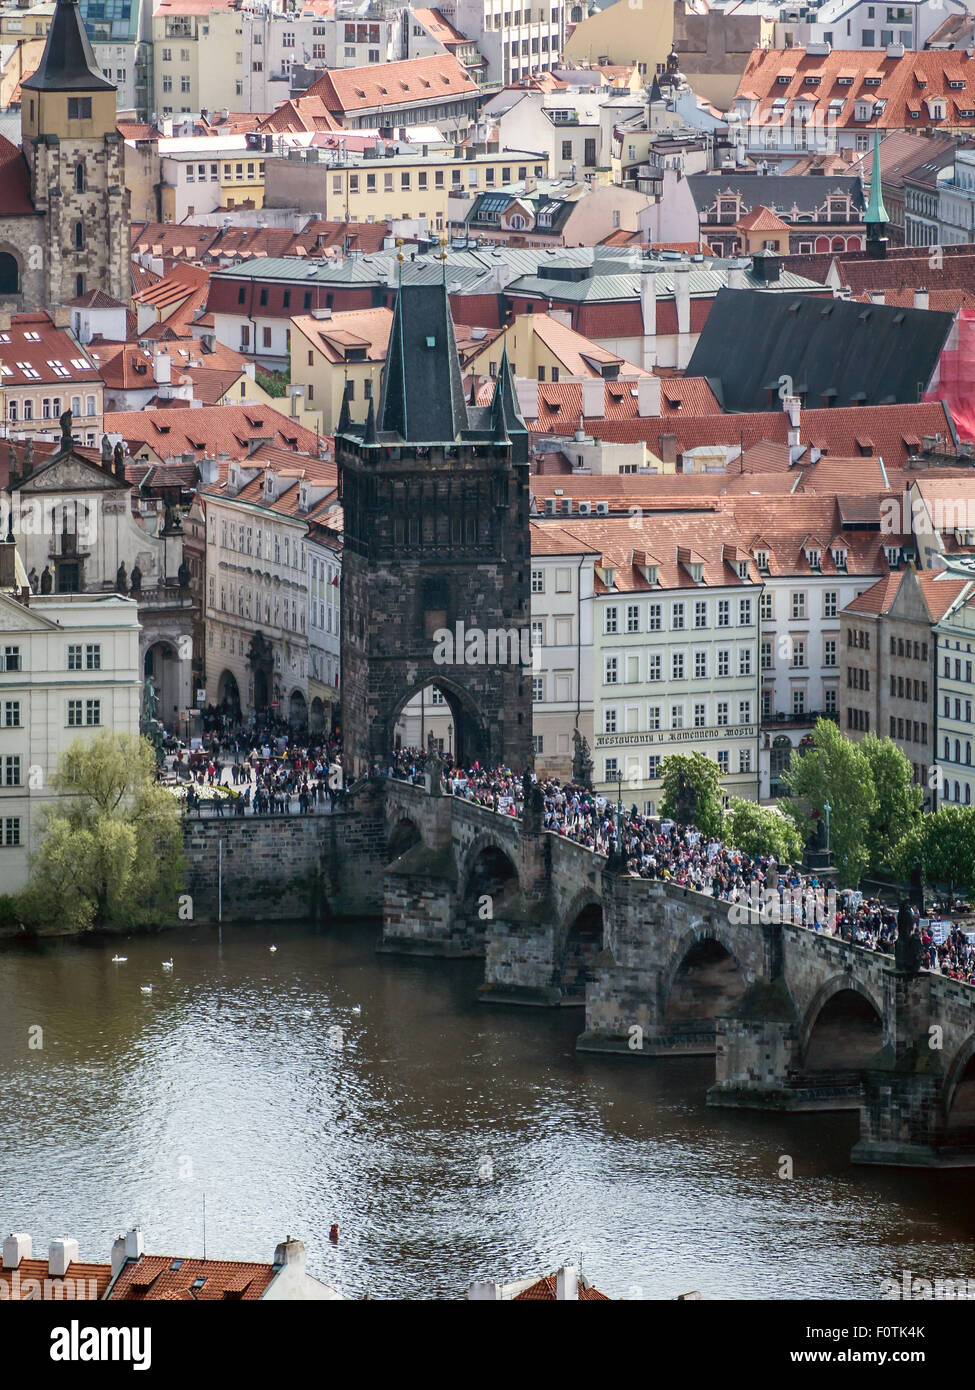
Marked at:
<point>902,1117</point>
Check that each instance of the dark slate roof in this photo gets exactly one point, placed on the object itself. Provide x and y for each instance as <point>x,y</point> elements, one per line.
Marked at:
<point>422,397</point>
<point>780,192</point>
<point>836,351</point>
<point>68,61</point>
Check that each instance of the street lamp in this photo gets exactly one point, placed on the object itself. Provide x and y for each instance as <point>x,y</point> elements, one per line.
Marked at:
<point>619,812</point>
<point>450,741</point>
<point>826,810</point>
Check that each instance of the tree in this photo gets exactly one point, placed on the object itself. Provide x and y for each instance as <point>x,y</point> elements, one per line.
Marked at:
<point>836,770</point>
<point>898,801</point>
<point>692,792</point>
<point>760,830</point>
<point>112,844</point>
<point>944,844</point>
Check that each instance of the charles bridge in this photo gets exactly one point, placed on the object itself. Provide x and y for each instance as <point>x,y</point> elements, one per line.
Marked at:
<point>796,1020</point>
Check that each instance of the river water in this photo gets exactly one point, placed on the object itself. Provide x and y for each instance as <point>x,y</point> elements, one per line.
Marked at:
<point>450,1140</point>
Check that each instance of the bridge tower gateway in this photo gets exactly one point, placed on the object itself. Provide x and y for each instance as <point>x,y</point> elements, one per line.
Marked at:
<point>436,566</point>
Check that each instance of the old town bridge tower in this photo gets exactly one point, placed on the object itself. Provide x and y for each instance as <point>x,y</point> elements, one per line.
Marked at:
<point>436,560</point>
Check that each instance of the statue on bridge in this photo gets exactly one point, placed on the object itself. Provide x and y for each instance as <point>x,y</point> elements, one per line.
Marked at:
<point>581,760</point>
<point>686,802</point>
<point>908,948</point>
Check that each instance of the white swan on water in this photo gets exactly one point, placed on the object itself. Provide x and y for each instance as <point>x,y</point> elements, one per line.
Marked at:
<point>146,989</point>
<point>119,960</point>
<point>167,965</point>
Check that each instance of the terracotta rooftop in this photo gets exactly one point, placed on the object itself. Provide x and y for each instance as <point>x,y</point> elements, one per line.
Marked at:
<point>27,1281</point>
<point>230,429</point>
<point>154,1277</point>
<point>393,84</point>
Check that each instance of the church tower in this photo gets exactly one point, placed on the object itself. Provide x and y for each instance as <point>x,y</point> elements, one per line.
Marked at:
<point>436,562</point>
<point>75,157</point>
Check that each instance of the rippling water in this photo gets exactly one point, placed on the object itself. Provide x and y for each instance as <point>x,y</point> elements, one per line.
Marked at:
<point>449,1140</point>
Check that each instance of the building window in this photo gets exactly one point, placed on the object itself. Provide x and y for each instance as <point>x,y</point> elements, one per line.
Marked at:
<point>611,620</point>
<point>10,659</point>
<point>829,603</point>
<point>11,714</point>
<point>11,831</point>
<point>79,108</point>
<point>11,771</point>
<point>538,581</point>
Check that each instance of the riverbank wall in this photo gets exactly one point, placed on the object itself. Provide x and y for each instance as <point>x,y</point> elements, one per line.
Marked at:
<point>276,867</point>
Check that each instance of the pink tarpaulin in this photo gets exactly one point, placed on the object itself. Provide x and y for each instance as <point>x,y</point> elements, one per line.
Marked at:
<point>956,385</point>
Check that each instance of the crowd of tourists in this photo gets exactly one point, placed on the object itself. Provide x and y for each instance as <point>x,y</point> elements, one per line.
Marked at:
<point>648,847</point>
<point>237,771</point>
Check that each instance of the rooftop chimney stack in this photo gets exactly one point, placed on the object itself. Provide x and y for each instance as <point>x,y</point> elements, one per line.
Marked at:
<point>291,1253</point>
<point>61,1254</point>
<point>922,300</point>
<point>648,396</point>
<point>16,1247</point>
<point>593,397</point>
<point>567,1284</point>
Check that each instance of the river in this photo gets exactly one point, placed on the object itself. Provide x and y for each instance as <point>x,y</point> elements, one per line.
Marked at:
<point>449,1140</point>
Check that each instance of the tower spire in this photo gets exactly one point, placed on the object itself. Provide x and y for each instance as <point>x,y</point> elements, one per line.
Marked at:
<point>876,214</point>
<point>68,62</point>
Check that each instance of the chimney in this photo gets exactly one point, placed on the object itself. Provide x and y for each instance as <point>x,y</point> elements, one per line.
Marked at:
<point>593,397</point>
<point>736,277</point>
<point>527,397</point>
<point>209,471</point>
<point>682,298</point>
<point>290,1253</point>
<point>127,1247</point>
<point>162,368</point>
<point>648,395</point>
<point>648,311</point>
<point>16,1247</point>
<point>567,1284</point>
<point>60,1256</point>
<point>667,448</point>
<point>921,299</point>
<point>877,297</point>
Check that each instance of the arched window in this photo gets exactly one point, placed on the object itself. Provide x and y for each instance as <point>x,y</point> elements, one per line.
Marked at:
<point>957,792</point>
<point>79,236</point>
<point>957,752</point>
<point>79,178</point>
<point>9,274</point>
<point>839,244</point>
<point>79,284</point>
<point>947,748</point>
<point>968,793</point>
<point>968,751</point>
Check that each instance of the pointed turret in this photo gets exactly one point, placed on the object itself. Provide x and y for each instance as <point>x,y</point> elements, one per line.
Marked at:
<point>68,61</point>
<point>345,415</point>
<point>506,399</point>
<point>876,214</point>
<point>369,435</point>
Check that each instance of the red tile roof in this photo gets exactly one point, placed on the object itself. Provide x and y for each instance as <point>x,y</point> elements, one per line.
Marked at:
<point>393,84</point>
<point>875,77</point>
<point>211,430</point>
<point>544,1291</point>
<point>28,1280</point>
<point>153,1277</point>
<point>33,350</point>
<point>14,182</point>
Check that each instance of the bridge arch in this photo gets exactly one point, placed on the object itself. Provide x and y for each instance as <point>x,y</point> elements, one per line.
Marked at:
<point>703,978</point>
<point>959,1093</point>
<point>403,835</point>
<point>580,940</point>
<point>848,1021</point>
<point>487,869</point>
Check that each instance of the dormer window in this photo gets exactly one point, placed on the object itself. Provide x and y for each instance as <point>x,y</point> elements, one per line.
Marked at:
<point>608,577</point>
<point>761,560</point>
<point>650,574</point>
<point>839,559</point>
<point>814,557</point>
<point>696,572</point>
<point>893,555</point>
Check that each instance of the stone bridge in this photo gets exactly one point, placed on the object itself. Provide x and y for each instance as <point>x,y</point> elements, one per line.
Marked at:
<point>796,1020</point>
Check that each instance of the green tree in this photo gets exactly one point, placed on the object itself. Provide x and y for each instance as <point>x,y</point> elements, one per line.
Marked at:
<point>758,830</point>
<point>944,844</point>
<point>692,780</point>
<point>112,846</point>
<point>836,770</point>
<point>898,801</point>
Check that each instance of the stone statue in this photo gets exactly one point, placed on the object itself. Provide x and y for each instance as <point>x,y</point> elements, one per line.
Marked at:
<point>908,948</point>
<point>32,580</point>
<point>772,876</point>
<point>67,440</point>
<point>183,575</point>
<point>47,580</point>
<point>121,583</point>
<point>526,786</point>
<point>29,455</point>
<point>106,451</point>
<point>136,579</point>
<point>581,760</point>
<point>686,808</point>
<point>118,457</point>
<point>535,802</point>
<point>150,700</point>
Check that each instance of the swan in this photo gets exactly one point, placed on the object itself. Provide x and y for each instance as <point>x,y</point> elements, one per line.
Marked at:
<point>272,948</point>
<point>119,960</point>
<point>357,1009</point>
<point>146,989</point>
<point>167,965</point>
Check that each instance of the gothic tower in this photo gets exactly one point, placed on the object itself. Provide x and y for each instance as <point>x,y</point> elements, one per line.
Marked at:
<point>436,561</point>
<point>75,159</point>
